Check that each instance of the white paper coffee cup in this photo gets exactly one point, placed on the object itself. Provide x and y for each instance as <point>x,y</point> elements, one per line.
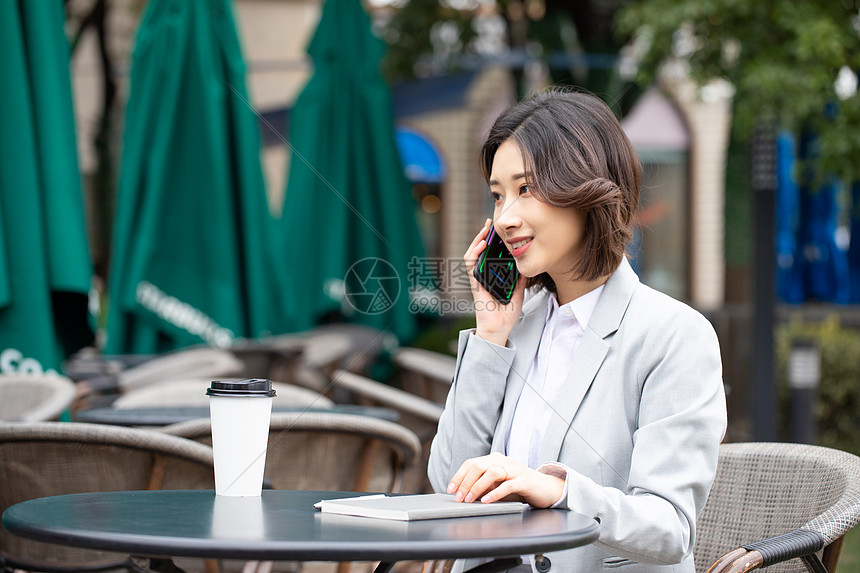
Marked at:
<point>240,412</point>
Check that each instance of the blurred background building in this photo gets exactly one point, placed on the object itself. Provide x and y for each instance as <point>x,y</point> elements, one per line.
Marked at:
<point>694,239</point>
<point>681,136</point>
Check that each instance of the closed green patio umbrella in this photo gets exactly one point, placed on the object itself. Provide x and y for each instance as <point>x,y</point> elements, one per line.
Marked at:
<point>192,260</point>
<point>45,267</point>
<point>347,197</point>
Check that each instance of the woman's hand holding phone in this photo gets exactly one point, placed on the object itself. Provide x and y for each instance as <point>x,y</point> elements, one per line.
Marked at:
<point>494,320</point>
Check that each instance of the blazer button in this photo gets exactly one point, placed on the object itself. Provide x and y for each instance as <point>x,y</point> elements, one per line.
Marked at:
<point>542,563</point>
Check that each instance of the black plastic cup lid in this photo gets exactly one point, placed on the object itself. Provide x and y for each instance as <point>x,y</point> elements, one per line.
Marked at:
<point>253,387</point>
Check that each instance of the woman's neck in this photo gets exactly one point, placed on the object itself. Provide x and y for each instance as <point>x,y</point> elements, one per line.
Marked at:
<point>568,290</point>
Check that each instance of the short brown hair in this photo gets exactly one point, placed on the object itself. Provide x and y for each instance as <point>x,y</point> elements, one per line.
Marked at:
<point>578,156</point>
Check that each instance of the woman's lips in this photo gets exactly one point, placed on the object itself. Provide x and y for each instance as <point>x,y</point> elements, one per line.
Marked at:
<point>523,245</point>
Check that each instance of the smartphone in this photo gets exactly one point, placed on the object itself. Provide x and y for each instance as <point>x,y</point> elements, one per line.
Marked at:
<point>496,269</point>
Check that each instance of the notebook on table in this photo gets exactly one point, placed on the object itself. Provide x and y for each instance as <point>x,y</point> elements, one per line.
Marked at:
<point>414,507</point>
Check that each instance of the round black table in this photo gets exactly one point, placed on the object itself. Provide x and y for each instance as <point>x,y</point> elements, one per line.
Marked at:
<point>281,525</point>
<point>166,415</point>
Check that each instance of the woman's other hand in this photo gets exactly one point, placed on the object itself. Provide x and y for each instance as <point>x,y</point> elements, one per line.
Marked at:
<point>499,478</point>
<point>493,319</point>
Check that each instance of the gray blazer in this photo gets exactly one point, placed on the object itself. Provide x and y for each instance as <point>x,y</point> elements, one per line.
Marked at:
<point>637,424</point>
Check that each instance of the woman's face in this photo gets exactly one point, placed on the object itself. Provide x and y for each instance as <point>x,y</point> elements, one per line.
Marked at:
<point>541,237</point>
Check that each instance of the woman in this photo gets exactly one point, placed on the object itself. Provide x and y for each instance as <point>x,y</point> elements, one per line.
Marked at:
<point>595,392</point>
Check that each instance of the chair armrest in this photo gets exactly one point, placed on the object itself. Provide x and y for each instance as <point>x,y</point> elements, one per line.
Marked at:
<point>387,395</point>
<point>800,543</point>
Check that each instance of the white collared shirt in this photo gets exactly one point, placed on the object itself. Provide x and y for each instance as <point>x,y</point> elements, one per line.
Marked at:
<point>562,332</point>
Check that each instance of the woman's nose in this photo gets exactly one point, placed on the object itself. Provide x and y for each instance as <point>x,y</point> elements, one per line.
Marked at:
<point>507,216</point>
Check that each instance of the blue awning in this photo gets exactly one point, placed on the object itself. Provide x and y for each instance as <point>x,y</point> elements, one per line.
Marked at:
<point>421,160</point>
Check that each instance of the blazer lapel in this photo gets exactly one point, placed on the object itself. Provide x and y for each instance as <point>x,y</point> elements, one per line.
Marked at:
<point>589,355</point>
<point>586,361</point>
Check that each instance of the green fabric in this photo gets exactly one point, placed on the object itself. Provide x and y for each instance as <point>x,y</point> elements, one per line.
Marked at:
<point>347,195</point>
<point>192,260</point>
<point>44,259</point>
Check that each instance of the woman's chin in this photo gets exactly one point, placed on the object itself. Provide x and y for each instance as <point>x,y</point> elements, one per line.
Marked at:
<point>527,272</point>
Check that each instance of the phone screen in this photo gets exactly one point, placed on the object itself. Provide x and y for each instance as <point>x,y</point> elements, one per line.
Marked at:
<point>496,269</point>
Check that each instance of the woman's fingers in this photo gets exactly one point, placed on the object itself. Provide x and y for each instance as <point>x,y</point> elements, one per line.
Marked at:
<point>477,476</point>
<point>475,248</point>
<point>466,483</point>
<point>504,491</point>
<point>469,472</point>
<point>497,477</point>
<point>489,480</point>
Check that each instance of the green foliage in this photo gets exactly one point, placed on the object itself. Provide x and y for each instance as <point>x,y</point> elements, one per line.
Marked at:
<point>849,560</point>
<point>838,407</point>
<point>409,36</point>
<point>442,336</point>
<point>431,37</point>
<point>782,56</point>
<point>737,239</point>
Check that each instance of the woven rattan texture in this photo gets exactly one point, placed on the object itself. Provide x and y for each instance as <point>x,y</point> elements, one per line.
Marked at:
<point>322,451</point>
<point>18,398</point>
<point>192,392</point>
<point>192,362</point>
<point>766,489</point>
<point>34,398</point>
<point>53,458</point>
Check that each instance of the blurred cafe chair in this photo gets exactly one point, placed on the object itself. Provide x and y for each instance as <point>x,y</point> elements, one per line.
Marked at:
<point>416,413</point>
<point>192,392</point>
<point>53,458</point>
<point>195,362</point>
<point>328,451</point>
<point>328,347</point>
<point>425,372</point>
<point>34,397</point>
<point>321,354</point>
<point>262,360</point>
<point>89,362</point>
<point>367,344</point>
<point>778,505</point>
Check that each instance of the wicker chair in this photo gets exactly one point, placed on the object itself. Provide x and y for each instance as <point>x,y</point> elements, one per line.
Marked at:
<point>34,397</point>
<point>198,362</point>
<point>192,392</point>
<point>796,499</point>
<point>416,413</point>
<point>55,458</point>
<point>425,373</point>
<point>328,347</point>
<point>195,362</point>
<point>328,451</point>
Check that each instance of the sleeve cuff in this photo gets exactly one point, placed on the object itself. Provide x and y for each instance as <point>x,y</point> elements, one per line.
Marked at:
<point>557,470</point>
<point>475,339</point>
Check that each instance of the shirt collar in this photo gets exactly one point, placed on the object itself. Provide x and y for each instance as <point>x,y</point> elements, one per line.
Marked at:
<point>582,307</point>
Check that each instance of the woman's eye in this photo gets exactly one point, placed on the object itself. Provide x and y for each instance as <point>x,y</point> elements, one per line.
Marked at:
<point>496,196</point>
<point>525,189</point>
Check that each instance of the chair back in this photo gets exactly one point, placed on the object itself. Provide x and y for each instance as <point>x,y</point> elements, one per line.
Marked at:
<point>192,392</point>
<point>54,458</point>
<point>416,413</point>
<point>424,372</point>
<point>34,397</point>
<point>763,490</point>
<point>197,362</point>
<point>328,451</point>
